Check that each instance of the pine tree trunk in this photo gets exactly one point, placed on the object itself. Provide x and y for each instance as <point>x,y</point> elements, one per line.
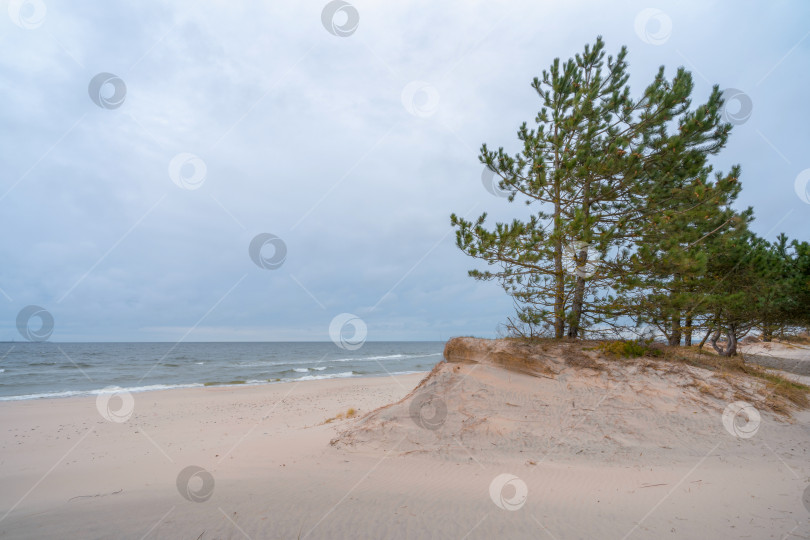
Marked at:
<point>703,341</point>
<point>559,292</point>
<point>714,339</point>
<point>687,333</point>
<point>675,336</point>
<point>581,263</point>
<point>559,276</point>
<point>731,346</point>
<point>576,307</point>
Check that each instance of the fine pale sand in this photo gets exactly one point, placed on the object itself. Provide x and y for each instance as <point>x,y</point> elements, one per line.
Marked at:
<point>593,453</point>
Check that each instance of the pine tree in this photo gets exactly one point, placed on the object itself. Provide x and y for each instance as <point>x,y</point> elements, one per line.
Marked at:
<point>666,275</point>
<point>783,292</point>
<point>590,167</point>
<point>734,271</point>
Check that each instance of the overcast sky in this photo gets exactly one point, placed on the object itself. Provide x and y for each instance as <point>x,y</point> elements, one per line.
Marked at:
<point>350,132</point>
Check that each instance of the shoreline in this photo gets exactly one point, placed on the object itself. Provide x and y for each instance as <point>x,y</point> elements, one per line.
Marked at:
<point>68,394</point>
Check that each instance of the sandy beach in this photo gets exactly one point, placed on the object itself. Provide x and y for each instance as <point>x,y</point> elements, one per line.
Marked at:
<point>269,464</point>
<point>405,270</point>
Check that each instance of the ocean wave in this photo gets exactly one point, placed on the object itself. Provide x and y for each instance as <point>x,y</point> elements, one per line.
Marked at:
<point>307,369</point>
<point>408,372</point>
<point>342,375</point>
<point>349,359</point>
<point>384,357</point>
<point>265,364</point>
<point>81,393</point>
<point>153,387</point>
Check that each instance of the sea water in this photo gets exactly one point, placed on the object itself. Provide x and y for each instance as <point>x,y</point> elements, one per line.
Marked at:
<point>47,369</point>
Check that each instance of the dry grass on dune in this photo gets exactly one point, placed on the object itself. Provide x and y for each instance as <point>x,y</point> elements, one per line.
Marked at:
<point>781,394</point>
<point>777,393</point>
<point>491,396</point>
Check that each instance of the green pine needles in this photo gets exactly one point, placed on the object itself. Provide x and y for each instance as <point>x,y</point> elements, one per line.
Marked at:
<point>630,225</point>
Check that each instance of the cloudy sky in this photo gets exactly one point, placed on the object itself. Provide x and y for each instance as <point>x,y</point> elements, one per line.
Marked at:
<point>349,132</point>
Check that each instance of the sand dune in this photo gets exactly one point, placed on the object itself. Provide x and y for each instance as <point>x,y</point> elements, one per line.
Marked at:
<point>565,401</point>
<point>497,442</point>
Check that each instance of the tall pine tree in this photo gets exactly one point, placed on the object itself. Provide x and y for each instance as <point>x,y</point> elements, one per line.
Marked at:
<point>589,168</point>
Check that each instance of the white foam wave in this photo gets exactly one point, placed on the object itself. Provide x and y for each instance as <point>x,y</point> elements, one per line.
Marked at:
<point>343,375</point>
<point>385,357</point>
<point>79,393</point>
<point>350,359</point>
